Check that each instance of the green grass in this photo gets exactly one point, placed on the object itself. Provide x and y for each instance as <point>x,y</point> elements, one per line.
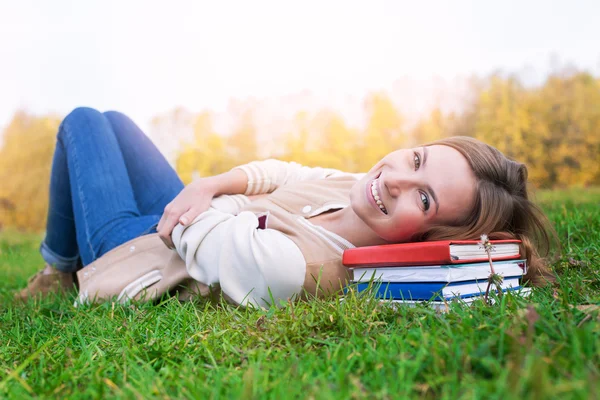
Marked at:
<point>541,347</point>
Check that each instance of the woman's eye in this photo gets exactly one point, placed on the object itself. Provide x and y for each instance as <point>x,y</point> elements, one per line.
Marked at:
<point>417,160</point>
<point>425,201</point>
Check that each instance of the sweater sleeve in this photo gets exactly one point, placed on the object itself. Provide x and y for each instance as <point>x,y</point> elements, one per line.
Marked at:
<point>252,265</point>
<point>266,176</point>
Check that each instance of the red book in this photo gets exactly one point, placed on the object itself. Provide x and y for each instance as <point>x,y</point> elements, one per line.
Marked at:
<point>430,253</point>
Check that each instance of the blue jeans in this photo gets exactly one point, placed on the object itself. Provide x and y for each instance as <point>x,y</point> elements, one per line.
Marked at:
<point>109,184</point>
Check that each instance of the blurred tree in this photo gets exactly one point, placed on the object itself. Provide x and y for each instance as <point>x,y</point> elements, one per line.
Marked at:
<point>242,144</point>
<point>303,144</point>
<point>170,130</point>
<point>433,128</point>
<point>384,131</point>
<point>25,163</point>
<point>505,119</point>
<point>554,130</point>
<point>336,142</point>
<point>571,115</point>
<point>206,155</point>
<point>513,119</point>
<point>463,123</point>
<point>502,116</point>
<point>297,144</point>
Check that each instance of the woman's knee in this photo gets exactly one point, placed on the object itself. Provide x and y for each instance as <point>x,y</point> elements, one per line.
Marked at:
<point>79,118</point>
<point>113,115</point>
<point>120,122</point>
<point>80,113</point>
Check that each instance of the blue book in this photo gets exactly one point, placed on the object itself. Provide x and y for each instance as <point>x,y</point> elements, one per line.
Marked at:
<point>433,290</point>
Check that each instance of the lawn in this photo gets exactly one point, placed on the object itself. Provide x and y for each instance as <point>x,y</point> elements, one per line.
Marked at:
<point>541,347</point>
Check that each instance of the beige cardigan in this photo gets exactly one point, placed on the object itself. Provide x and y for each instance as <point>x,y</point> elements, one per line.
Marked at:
<point>259,253</point>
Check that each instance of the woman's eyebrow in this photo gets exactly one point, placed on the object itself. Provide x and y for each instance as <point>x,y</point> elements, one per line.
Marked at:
<point>429,189</point>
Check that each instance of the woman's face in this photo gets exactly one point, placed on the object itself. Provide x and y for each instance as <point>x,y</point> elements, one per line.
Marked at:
<point>411,190</point>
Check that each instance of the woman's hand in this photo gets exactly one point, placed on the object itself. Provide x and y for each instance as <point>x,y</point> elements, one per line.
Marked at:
<point>193,200</point>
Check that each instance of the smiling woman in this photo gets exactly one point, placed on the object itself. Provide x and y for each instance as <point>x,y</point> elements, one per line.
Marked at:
<point>266,231</point>
<point>413,189</point>
<point>456,188</point>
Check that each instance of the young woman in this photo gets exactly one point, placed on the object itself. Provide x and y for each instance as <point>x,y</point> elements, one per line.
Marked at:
<point>269,230</point>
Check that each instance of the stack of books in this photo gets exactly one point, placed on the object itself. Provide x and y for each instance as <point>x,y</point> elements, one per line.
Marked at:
<point>437,271</point>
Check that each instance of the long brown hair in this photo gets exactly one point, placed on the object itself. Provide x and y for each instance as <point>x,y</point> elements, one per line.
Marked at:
<point>502,207</point>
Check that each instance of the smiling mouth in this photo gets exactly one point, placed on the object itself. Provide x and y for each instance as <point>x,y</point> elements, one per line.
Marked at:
<point>376,197</point>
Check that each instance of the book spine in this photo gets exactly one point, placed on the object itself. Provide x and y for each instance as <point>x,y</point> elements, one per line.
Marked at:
<point>430,291</point>
<point>436,274</point>
<point>420,253</point>
<point>417,254</point>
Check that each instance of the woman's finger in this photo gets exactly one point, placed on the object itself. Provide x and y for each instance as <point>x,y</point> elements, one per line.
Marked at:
<point>188,216</point>
<point>165,237</point>
<point>161,222</point>
<point>164,215</point>
<point>164,231</point>
<point>173,218</point>
<point>165,241</point>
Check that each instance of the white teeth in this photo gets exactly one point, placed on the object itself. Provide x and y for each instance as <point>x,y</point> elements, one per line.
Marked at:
<point>376,196</point>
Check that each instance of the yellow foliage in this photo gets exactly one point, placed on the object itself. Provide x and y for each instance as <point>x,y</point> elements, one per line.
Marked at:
<point>384,131</point>
<point>242,146</point>
<point>206,156</point>
<point>431,129</point>
<point>554,129</point>
<point>25,162</point>
<point>572,115</point>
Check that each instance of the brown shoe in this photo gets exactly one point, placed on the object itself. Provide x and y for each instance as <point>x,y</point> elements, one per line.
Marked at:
<point>44,283</point>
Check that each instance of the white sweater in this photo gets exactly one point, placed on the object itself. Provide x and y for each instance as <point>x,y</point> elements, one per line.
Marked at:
<point>223,245</point>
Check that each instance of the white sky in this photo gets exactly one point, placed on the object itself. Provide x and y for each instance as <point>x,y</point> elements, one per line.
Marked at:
<point>146,57</point>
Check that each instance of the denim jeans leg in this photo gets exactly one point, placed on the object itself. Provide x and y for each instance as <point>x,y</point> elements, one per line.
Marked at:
<point>59,247</point>
<point>104,206</point>
<point>154,182</point>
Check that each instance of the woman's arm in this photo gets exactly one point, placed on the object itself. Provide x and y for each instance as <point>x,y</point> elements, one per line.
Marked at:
<point>266,176</point>
<point>252,179</point>
<point>231,182</point>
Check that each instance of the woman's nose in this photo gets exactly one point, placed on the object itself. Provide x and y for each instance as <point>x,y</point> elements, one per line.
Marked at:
<point>397,182</point>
